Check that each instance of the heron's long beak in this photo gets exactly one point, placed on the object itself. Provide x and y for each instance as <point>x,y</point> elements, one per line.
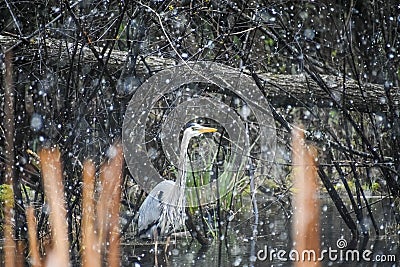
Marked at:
<point>207,130</point>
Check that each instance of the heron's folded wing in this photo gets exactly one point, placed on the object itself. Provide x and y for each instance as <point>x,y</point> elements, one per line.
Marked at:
<point>151,210</point>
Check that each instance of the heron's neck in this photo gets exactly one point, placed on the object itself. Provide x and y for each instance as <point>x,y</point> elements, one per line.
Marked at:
<point>183,158</point>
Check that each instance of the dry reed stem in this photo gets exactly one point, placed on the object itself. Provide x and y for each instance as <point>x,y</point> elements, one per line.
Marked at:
<point>90,248</point>
<point>9,174</point>
<point>9,243</point>
<point>33,242</point>
<point>305,227</point>
<point>101,212</point>
<point>109,204</point>
<point>54,190</point>
<point>20,253</point>
<point>116,170</point>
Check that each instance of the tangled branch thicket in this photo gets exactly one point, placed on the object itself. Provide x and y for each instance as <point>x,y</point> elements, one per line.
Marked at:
<point>77,63</point>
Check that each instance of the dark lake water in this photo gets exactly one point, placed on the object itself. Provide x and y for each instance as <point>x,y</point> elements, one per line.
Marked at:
<point>238,248</point>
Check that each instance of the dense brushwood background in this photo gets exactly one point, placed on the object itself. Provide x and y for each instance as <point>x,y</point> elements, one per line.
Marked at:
<point>333,66</point>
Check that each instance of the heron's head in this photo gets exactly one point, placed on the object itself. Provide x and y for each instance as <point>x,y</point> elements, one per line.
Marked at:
<point>194,129</point>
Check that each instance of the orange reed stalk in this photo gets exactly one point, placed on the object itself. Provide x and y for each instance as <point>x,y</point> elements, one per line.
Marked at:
<point>102,207</point>
<point>90,248</point>
<point>116,169</point>
<point>20,253</point>
<point>305,227</point>
<point>109,204</point>
<point>9,243</point>
<point>54,190</point>
<point>33,242</point>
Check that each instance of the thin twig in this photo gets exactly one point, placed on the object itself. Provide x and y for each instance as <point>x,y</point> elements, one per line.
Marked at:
<point>26,38</point>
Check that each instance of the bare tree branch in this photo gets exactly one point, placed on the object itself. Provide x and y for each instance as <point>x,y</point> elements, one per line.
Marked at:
<point>283,90</point>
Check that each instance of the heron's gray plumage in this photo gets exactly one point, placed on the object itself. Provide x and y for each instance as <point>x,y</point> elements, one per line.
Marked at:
<point>154,208</point>
<point>163,210</point>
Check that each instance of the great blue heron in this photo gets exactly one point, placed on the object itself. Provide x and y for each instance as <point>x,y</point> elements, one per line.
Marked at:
<point>163,210</point>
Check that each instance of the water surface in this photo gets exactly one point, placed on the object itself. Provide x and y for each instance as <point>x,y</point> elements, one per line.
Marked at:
<point>238,248</point>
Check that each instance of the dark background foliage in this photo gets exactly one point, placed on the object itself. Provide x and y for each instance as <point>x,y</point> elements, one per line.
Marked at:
<point>77,63</point>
